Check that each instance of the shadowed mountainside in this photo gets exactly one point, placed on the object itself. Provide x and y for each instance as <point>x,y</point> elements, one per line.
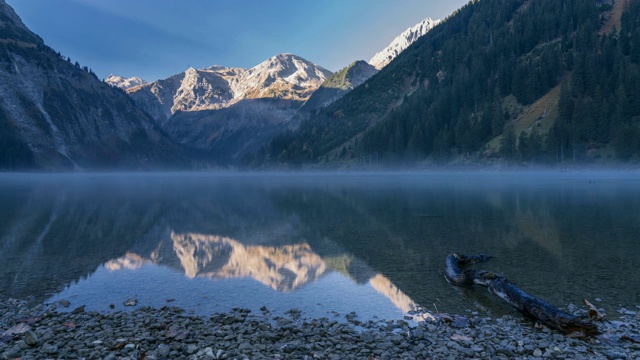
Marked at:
<point>57,115</point>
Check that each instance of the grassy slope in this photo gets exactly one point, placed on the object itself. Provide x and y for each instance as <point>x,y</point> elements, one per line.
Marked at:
<point>543,113</point>
<point>613,21</point>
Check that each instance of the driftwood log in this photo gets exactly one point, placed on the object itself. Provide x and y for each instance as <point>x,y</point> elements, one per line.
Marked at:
<point>529,306</point>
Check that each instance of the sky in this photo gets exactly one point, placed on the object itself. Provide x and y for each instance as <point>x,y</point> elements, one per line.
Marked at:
<point>154,39</point>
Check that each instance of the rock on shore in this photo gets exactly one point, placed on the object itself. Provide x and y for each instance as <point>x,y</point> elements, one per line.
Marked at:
<point>171,333</point>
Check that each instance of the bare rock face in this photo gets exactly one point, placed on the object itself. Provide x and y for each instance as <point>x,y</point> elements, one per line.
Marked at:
<point>57,115</point>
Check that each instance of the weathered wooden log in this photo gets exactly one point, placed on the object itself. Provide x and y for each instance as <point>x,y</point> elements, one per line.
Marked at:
<point>529,306</point>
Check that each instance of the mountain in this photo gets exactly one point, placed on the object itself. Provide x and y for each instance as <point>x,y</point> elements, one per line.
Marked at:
<point>284,76</point>
<point>402,42</point>
<point>192,90</point>
<point>491,85</point>
<point>57,115</point>
<point>124,83</point>
<point>230,111</point>
<point>339,84</point>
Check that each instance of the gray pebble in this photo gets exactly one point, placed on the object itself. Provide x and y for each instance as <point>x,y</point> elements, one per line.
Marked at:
<point>31,339</point>
<point>537,353</point>
<point>49,349</point>
<point>10,354</point>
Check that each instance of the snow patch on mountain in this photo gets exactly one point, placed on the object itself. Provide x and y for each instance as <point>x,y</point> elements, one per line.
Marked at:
<point>284,76</point>
<point>402,42</point>
<point>124,83</point>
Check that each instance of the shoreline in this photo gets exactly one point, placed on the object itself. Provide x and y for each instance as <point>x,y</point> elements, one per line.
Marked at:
<point>172,333</point>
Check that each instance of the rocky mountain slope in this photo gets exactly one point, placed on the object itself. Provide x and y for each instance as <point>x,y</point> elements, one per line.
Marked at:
<point>56,115</point>
<point>401,42</point>
<point>284,76</point>
<point>230,111</point>
<point>124,83</point>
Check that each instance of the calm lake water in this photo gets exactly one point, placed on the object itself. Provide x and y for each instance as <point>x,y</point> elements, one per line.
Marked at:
<point>324,243</point>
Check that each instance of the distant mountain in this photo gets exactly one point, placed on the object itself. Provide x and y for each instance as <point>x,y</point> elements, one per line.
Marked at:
<point>230,111</point>
<point>339,84</point>
<point>358,72</point>
<point>491,85</point>
<point>124,83</point>
<point>284,76</point>
<point>402,42</point>
<point>57,115</point>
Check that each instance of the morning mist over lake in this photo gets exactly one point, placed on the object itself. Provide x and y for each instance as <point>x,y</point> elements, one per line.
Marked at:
<point>332,180</point>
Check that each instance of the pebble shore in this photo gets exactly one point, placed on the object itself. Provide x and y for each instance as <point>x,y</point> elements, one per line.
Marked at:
<point>172,333</point>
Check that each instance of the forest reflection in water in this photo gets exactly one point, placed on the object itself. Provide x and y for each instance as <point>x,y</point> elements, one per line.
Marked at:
<point>371,243</point>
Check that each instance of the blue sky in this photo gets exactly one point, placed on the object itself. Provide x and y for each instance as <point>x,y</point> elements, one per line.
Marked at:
<point>155,39</point>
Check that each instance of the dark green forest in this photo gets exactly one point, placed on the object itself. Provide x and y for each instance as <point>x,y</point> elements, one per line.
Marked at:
<point>451,94</point>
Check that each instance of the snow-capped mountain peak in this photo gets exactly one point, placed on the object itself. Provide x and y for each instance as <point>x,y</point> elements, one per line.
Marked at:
<point>402,42</point>
<point>124,83</point>
<point>283,76</point>
<point>287,65</point>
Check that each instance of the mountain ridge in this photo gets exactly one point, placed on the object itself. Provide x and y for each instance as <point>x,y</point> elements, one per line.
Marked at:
<point>229,112</point>
<point>401,42</point>
<point>283,76</point>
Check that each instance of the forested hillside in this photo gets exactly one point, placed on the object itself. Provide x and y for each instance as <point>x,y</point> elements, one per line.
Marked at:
<point>523,81</point>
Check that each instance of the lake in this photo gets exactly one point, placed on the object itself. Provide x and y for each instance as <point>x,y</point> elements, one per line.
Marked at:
<point>325,243</point>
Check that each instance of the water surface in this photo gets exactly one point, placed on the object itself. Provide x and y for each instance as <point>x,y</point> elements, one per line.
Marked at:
<point>326,243</point>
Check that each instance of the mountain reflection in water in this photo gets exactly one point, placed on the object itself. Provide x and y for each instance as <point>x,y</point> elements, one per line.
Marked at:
<point>282,268</point>
<point>371,243</point>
